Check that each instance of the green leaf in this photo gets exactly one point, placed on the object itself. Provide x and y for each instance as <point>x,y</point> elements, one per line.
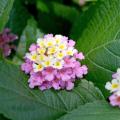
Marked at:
<point>5,8</point>
<point>19,102</point>
<point>66,12</point>
<point>98,110</point>
<point>29,36</point>
<point>99,39</point>
<point>18,17</point>
<point>3,118</point>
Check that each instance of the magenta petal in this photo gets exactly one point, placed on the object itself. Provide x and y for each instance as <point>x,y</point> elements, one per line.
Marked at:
<point>49,77</point>
<point>33,47</point>
<point>69,86</point>
<point>56,86</point>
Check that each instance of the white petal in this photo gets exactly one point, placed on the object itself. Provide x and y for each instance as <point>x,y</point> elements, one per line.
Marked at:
<point>28,55</point>
<point>115,81</point>
<point>58,36</point>
<point>118,70</point>
<point>108,86</point>
<point>39,40</point>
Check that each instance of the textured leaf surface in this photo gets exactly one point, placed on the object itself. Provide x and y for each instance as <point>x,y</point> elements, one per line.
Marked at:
<point>29,36</point>
<point>18,17</point>
<point>19,102</point>
<point>99,40</point>
<point>98,110</point>
<point>5,8</point>
<point>66,12</point>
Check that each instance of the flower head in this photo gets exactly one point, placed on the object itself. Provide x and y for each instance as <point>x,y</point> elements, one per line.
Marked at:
<point>114,88</point>
<point>53,62</point>
<point>6,38</point>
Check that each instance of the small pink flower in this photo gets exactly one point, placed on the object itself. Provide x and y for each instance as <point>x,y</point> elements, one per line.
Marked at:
<point>33,47</point>
<point>36,79</point>
<point>27,66</point>
<point>45,85</point>
<point>71,43</point>
<point>48,36</point>
<point>79,56</point>
<point>84,69</point>
<point>56,85</point>
<point>114,100</point>
<point>70,85</point>
<point>64,75</point>
<point>5,42</point>
<point>49,73</point>
<point>69,62</point>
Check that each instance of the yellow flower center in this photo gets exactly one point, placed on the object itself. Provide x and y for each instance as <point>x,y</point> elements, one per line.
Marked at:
<point>39,66</point>
<point>49,44</point>
<point>34,57</point>
<point>69,52</point>
<point>51,50</point>
<point>41,43</point>
<point>114,85</point>
<point>58,64</point>
<point>41,57</point>
<point>57,41</point>
<point>62,46</point>
<point>60,55</point>
<point>41,51</point>
<point>47,63</point>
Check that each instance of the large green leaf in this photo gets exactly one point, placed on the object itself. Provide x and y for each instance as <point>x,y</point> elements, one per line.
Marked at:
<point>29,36</point>
<point>98,110</point>
<point>64,11</point>
<point>19,102</point>
<point>18,17</point>
<point>5,8</point>
<point>3,118</point>
<point>99,39</point>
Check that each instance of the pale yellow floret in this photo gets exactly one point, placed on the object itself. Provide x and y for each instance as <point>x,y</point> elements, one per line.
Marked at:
<point>60,55</point>
<point>41,44</point>
<point>58,64</point>
<point>33,57</point>
<point>62,46</point>
<point>41,51</point>
<point>115,86</point>
<point>41,58</point>
<point>47,63</point>
<point>38,67</point>
<point>58,41</point>
<point>70,52</point>
<point>49,44</point>
<point>52,50</point>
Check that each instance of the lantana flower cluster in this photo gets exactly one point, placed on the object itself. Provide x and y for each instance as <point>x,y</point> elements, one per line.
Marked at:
<point>6,39</point>
<point>53,62</point>
<point>114,88</point>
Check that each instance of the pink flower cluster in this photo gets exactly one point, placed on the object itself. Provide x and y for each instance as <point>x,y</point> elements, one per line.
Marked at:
<point>6,38</point>
<point>51,77</point>
<point>114,87</point>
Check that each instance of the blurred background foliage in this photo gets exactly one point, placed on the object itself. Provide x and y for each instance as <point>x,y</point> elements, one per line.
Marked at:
<point>52,16</point>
